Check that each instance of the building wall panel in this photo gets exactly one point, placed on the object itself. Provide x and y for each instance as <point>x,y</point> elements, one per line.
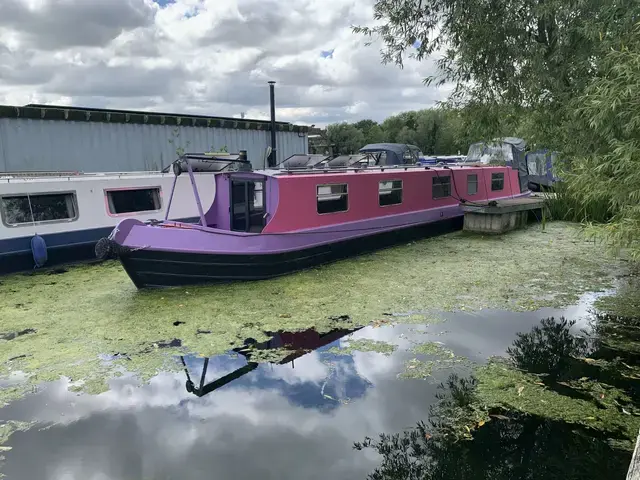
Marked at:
<point>46,145</point>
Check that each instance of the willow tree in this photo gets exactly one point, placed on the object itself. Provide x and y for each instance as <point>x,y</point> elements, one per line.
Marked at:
<point>531,54</point>
<point>606,166</point>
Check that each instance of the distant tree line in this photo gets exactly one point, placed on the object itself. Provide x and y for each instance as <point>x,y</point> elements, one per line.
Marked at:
<point>435,131</point>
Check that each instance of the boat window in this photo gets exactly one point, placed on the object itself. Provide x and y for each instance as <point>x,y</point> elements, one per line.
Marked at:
<point>472,184</point>
<point>258,194</point>
<point>133,200</point>
<point>332,198</point>
<point>390,192</point>
<point>441,186</point>
<point>497,181</point>
<point>42,207</point>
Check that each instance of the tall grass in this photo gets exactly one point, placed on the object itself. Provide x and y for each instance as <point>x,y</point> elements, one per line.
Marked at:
<point>565,204</point>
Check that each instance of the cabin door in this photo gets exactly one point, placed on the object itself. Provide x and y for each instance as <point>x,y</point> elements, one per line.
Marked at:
<point>247,206</point>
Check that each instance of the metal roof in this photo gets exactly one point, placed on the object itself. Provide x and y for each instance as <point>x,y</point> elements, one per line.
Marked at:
<point>81,114</point>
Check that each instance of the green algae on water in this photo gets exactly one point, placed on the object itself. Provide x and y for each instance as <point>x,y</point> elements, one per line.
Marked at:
<point>91,311</point>
<point>6,430</point>
<point>364,345</point>
<point>438,358</point>
<point>433,348</point>
<point>501,385</point>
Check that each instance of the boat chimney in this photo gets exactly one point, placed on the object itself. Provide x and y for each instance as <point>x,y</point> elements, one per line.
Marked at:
<point>272,158</point>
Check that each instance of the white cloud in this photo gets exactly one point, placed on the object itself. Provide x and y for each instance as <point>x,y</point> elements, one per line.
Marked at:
<point>204,56</point>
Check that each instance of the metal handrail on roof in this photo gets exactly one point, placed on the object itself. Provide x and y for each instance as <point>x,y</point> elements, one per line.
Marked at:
<point>382,168</point>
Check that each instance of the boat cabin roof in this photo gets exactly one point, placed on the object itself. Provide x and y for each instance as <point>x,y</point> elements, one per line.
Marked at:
<point>366,170</point>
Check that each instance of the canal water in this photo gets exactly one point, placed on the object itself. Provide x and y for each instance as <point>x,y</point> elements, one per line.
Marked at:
<point>457,357</point>
<point>297,416</point>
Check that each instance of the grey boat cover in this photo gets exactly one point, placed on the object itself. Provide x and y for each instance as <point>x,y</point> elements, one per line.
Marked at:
<point>393,153</point>
<point>540,164</point>
<point>508,151</point>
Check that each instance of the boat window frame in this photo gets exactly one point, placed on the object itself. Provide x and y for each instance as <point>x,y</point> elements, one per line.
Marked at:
<point>240,179</point>
<point>346,193</point>
<point>469,183</point>
<point>495,174</point>
<point>76,208</point>
<point>438,178</point>
<point>393,189</point>
<point>107,191</point>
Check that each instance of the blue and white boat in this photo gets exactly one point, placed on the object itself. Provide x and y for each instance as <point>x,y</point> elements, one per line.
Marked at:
<point>54,218</point>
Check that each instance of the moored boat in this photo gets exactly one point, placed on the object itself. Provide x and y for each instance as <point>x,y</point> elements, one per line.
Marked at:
<point>265,223</point>
<point>55,218</point>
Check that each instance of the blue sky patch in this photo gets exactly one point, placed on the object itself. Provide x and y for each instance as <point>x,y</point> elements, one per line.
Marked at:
<point>327,53</point>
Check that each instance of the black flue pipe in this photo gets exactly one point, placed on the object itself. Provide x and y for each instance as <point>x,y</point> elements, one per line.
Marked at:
<point>272,157</point>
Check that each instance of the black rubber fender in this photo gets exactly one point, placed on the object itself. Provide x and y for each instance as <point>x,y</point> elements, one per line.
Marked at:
<point>104,249</point>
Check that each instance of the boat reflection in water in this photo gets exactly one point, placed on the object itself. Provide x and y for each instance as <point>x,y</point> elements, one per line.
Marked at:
<point>298,343</point>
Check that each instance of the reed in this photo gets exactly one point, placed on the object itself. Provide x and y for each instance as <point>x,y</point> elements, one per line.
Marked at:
<point>566,204</point>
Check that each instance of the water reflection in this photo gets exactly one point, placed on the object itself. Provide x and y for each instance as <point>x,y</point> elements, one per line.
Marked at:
<point>463,439</point>
<point>511,445</point>
<point>292,418</point>
<point>280,344</point>
<point>291,408</point>
<point>569,364</point>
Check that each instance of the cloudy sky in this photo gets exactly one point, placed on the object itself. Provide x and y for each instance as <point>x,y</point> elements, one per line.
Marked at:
<point>204,56</point>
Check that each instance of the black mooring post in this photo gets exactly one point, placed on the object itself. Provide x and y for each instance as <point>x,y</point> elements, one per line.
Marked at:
<point>272,158</point>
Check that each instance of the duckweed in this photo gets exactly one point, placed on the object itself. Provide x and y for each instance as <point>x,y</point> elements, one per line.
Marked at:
<point>92,311</point>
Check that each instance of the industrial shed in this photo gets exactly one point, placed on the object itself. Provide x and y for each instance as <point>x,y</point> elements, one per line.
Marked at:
<point>60,138</point>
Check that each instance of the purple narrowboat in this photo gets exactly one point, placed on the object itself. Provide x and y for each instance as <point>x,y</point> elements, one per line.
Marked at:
<point>266,223</point>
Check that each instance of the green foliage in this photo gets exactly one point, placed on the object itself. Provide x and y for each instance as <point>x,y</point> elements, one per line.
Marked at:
<point>566,204</point>
<point>519,51</point>
<point>175,141</point>
<point>434,131</point>
<point>345,138</point>
<point>375,135</point>
<point>608,169</point>
<point>222,149</point>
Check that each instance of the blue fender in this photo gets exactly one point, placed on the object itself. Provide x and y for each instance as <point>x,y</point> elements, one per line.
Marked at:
<point>39,250</point>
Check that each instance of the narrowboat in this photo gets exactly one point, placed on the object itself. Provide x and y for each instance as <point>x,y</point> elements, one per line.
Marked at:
<point>266,223</point>
<point>55,218</point>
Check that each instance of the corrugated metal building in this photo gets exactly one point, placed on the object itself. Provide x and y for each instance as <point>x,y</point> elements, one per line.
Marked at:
<point>55,138</point>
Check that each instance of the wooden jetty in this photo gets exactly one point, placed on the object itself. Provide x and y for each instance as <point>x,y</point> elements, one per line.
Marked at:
<point>500,216</point>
